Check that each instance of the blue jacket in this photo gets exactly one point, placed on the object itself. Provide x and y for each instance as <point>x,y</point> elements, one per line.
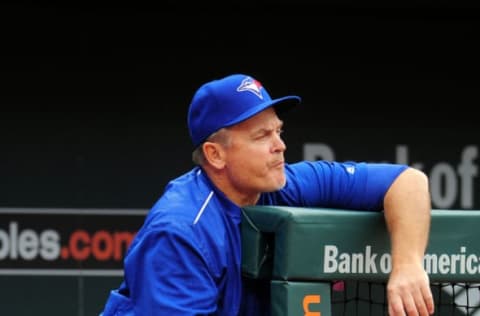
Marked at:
<point>186,258</point>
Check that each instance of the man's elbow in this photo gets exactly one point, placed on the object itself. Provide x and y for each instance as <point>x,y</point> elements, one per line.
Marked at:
<point>411,186</point>
<point>418,176</point>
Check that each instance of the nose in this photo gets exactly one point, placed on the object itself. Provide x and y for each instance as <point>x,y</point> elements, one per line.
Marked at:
<point>278,144</point>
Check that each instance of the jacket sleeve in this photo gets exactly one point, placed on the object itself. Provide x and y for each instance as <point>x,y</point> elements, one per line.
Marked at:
<point>348,185</point>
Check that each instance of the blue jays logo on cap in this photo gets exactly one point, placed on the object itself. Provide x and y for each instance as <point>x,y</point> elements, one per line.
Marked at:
<point>228,101</point>
<point>252,85</point>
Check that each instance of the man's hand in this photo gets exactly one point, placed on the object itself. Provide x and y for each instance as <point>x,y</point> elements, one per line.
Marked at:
<point>409,292</point>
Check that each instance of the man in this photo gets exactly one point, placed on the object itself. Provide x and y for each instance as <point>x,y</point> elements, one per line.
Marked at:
<point>186,259</point>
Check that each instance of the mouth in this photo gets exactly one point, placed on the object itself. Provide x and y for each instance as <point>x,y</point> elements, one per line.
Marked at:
<point>278,164</point>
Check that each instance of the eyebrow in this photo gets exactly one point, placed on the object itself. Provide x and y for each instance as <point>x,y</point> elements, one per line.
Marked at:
<point>263,130</point>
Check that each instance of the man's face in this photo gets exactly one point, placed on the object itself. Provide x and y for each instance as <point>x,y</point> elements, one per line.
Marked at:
<point>254,158</point>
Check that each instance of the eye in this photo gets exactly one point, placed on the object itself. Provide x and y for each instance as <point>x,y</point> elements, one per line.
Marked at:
<point>261,136</point>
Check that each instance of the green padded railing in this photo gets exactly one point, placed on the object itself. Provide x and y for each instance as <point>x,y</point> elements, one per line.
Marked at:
<point>302,252</point>
<point>292,243</point>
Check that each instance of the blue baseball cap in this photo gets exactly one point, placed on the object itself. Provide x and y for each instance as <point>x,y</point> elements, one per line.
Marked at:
<point>227,101</point>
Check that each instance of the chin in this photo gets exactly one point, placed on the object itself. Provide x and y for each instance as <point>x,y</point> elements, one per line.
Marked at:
<point>274,183</point>
<point>279,185</point>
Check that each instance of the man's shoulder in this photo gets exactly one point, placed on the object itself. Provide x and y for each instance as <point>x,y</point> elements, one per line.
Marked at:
<point>182,203</point>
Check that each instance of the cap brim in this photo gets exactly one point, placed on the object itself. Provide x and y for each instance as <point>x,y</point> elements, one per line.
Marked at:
<point>281,106</point>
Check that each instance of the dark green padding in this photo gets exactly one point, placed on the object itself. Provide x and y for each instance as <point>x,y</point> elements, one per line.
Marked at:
<point>290,243</point>
<point>300,298</point>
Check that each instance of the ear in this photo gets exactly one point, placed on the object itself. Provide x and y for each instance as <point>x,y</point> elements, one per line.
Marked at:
<point>215,154</point>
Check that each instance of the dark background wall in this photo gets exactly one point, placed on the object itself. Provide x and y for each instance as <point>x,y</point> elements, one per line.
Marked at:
<point>94,98</point>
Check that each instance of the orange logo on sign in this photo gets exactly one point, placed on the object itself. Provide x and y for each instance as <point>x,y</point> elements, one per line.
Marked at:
<point>310,299</point>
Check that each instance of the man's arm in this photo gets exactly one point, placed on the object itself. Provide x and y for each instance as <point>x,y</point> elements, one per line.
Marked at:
<point>407,212</point>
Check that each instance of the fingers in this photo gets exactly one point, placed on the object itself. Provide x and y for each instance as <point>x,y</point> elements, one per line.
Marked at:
<point>405,304</point>
<point>420,304</point>
<point>409,296</point>
<point>396,305</point>
<point>423,297</point>
<point>428,299</point>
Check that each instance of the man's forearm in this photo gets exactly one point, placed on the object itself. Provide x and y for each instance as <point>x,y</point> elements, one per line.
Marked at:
<point>408,213</point>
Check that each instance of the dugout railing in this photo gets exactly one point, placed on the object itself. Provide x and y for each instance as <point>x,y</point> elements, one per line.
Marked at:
<point>330,262</point>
